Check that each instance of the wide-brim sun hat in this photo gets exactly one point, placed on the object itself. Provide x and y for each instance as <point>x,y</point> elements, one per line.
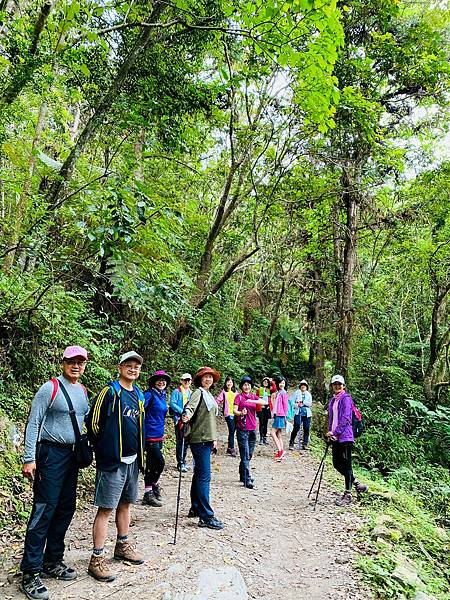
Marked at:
<point>304,382</point>
<point>246,379</point>
<point>204,371</point>
<point>337,379</point>
<point>159,375</point>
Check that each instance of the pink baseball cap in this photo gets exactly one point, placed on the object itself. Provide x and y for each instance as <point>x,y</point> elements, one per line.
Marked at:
<point>72,351</point>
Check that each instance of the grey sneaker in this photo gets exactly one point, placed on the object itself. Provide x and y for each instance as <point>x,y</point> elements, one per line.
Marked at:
<point>59,570</point>
<point>345,500</point>
<point>32,586</point>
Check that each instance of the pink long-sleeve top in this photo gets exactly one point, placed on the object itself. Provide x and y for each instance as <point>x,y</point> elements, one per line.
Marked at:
<point>222,398</point>
<point>280,406</point>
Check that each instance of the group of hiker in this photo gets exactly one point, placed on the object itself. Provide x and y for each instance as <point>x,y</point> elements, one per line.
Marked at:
<point>127,427</point>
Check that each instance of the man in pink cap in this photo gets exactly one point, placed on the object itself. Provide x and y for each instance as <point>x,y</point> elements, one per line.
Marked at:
<point>50,465</point>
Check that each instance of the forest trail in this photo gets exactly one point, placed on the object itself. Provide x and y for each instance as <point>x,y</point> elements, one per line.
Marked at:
<point>282,549</point>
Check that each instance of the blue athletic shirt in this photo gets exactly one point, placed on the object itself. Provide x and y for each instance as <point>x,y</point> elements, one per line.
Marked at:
<point>130,422</point>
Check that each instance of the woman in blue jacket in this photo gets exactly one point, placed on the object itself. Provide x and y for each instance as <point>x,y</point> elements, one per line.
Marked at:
<point>155,405</point>
<point>178,400</point>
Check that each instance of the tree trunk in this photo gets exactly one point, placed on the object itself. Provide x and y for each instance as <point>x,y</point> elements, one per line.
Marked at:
<point>102,109</point>
<point>24,72</point>
<point>437,344</point>
<point>319,355</point>
<point>274,319</point>
<point>344,287</point>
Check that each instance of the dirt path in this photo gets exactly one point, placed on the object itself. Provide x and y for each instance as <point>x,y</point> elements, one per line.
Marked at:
<point>282,549</point>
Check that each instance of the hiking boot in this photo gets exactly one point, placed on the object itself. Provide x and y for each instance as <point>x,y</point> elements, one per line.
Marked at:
<point>291,447</point>
<point>261,441</point>
<point>211,523</point>
<point>360,487</point>
<point>99,569</point>
<point>59,571</point>
<point>157,491</point>
<point>33,588</point>
<point>184,469</point>
<point>249,484</point>
<point>345,500</point>
<point>192,514</point>
<point>125,551</point>
<point>150,499</point>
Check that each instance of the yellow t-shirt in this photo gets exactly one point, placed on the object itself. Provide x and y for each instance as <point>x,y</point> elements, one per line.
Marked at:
<point>230,399</point>
<point>185,396</point>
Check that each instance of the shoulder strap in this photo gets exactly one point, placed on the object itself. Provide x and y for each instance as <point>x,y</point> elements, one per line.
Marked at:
<point>76,429</point>
<point>55,383</point>
<point>55,389</point>
<point>138,391</point>
<point>116,386</point>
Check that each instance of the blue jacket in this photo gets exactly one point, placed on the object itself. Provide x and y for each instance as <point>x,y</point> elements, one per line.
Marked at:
<point>155,413</point>
<point>104,426</point>
<point>176,403</point>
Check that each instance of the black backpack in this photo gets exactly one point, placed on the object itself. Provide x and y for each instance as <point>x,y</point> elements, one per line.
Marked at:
<point>357,424</point>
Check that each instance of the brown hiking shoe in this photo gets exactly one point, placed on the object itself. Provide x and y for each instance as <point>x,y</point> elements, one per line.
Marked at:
<point>99,569</point>
<point>345,500</point>
<point>125,551</point>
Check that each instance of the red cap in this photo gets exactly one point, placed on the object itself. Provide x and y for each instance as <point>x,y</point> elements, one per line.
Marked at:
<point>72,351</point>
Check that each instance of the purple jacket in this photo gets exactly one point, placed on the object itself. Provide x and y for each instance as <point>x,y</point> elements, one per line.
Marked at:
<point>343,432</point>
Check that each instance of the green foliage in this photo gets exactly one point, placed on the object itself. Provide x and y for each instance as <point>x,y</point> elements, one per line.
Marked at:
<point>238,127</point>
<point>398,527</point>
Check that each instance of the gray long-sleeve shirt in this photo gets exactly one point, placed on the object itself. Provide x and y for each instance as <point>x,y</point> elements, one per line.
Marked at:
<point>54,424</point>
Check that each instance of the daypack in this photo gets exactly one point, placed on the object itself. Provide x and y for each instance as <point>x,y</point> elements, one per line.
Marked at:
<point>357,424</point>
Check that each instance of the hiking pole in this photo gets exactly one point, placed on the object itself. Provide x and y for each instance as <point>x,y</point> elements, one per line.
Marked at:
<point>319,470</point>
<point>318,487</point>
<point>182,430</point>
<point>244,425</point>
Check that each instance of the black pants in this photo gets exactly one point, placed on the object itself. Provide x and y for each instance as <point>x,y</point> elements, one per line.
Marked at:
<point>342,461</point>
<point>246,442</point>
<point>263,415</point>
<point>154,462</point>
<point>54,501</point>
<point>298,422</point>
